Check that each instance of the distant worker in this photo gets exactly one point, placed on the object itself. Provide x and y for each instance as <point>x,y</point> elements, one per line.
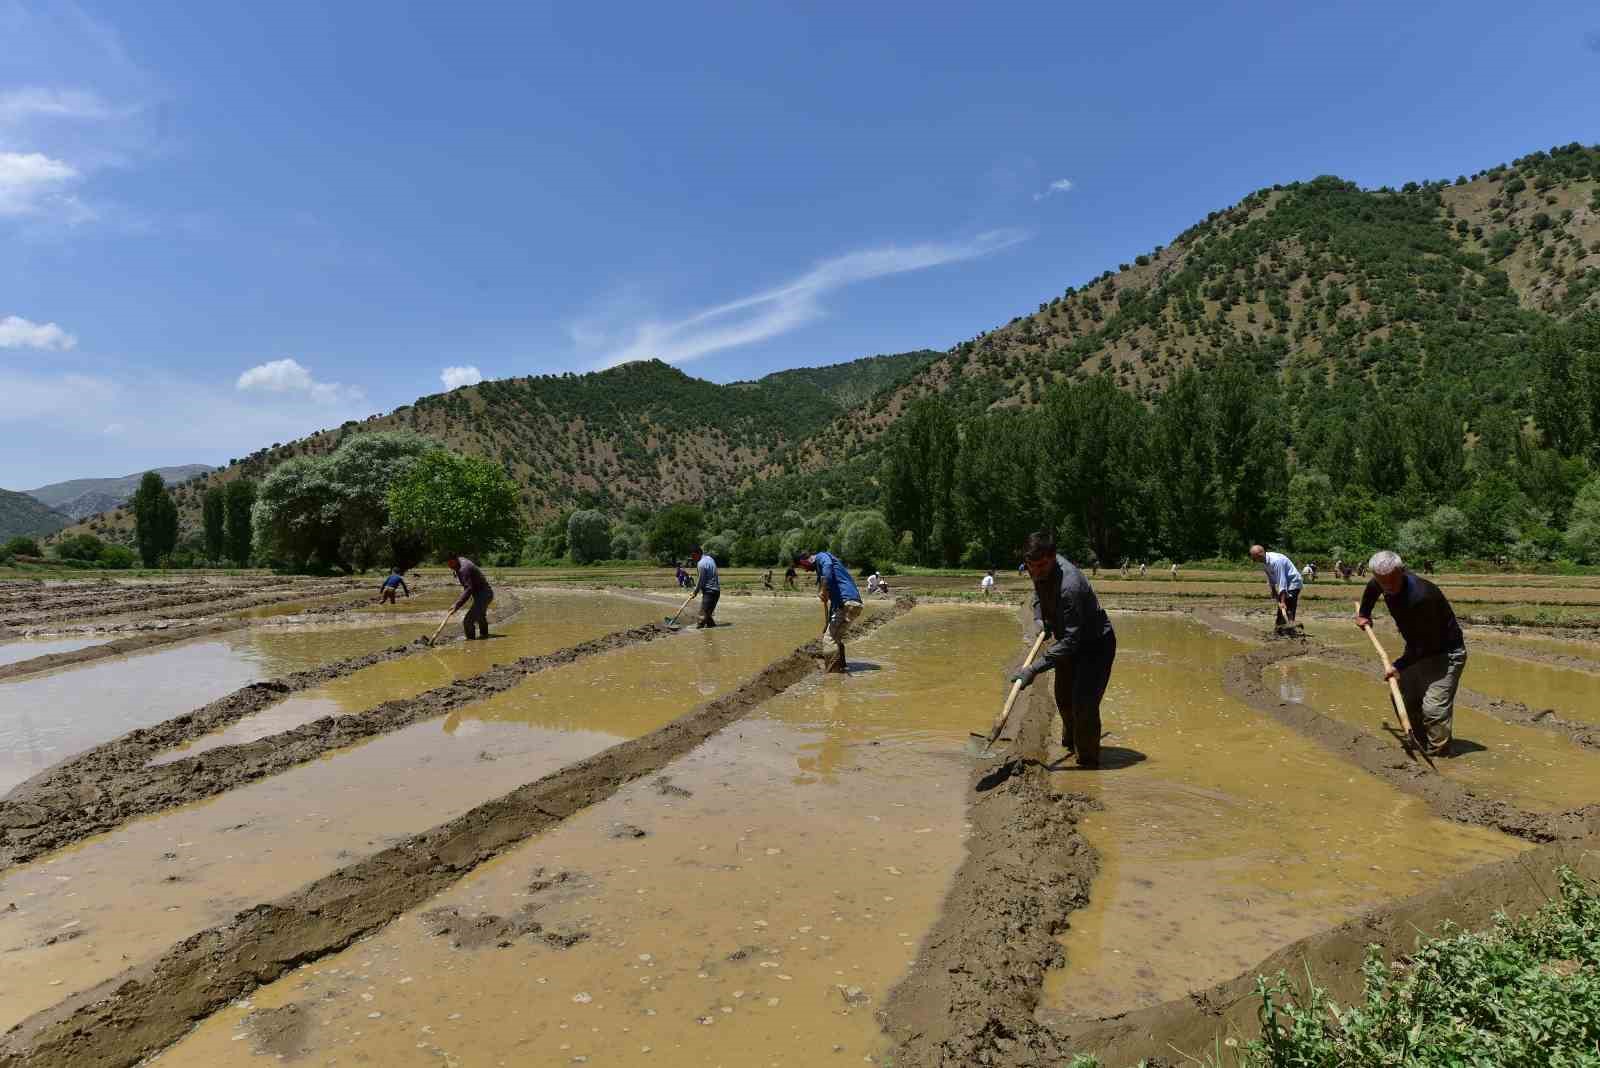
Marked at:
<point>766,579</point>
<point>1339,569</point>
<point>1309,572</point>
<point>883,586</point>
<point>788,579</point>
<point>395,581</point>
<point>1144,569</point>
<point>841,601</point>
<point>1174,571</point>
<point>1084,648</point>
<point>1124,567</point>
<point>1429,670</point>
<point>1427,567</point>
<point>708,588</point>
<point>682,577</point>
<point>474,588</point>
<point>874,580</point>
<point>987,585</point>
<point>1283,581</point>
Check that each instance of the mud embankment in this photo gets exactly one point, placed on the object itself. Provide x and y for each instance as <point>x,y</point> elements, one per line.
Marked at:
<point>971,994</point>
<point>123,1020</point>
<point>119,647</point>
<point>1383,757</point>
<point>1187,1030</point>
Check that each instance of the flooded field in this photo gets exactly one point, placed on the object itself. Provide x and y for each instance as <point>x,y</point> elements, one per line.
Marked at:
<point>1573,693</point>
<point>751,905</point>
<point>1224,835</point>
<point>198,865</point>
<point>1536,769</point>
<point>28,648</point>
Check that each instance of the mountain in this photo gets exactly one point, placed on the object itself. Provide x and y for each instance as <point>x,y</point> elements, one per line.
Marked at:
<point>83,497</point>
<point>21,514</point>
<point>1440,290</point>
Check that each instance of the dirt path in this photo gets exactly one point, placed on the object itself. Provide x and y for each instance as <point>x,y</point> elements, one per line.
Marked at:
<point>971,995</point>
<point>147,1008</point>
<point>1187,1030</point>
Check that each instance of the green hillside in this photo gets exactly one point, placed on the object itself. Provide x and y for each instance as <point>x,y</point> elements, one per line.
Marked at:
<point>21,514</point>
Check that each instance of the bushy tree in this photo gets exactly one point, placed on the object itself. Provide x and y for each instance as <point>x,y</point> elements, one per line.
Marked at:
<point>295,518</point>
<point>455,504</point>
<point>865,538</point>
<point>674,531</point>
<point>588,536</point>
<point>360,474</point>
<point>1583,531</point>
<point>213,517</point>
<point>84,547</point>
<point>237,535</point>
<point>627,541</point>
<point>1092,462</point>
<point>155,519</point>
<point>21,545</point>
<point>919,481</point>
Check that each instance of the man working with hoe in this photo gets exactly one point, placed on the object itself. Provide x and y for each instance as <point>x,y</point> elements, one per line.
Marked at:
<point>1429,671</point>
<point>841,600</point>
<point>1284,581</point>
<point>1065,608</point>
<point>708,587</point>
<point>474,588</point>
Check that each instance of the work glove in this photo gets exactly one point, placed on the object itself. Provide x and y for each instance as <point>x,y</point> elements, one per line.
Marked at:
<point>1025,676</point>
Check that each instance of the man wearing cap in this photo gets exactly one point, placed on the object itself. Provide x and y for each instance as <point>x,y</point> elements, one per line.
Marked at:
<point>1283,580</point>
<point>1066,609</point>
<point>708,587</point>
<point>1429,671</point>
<point>841,601</point>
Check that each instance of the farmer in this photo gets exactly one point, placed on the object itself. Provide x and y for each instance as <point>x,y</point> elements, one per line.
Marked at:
<point>1429,670</point>
<point>395,581</point>
<point>476,588</point>
<point>1283,581</point>
<point>1066,608</point>
<point>872,582</point>
<point>841,601</point>
<point>1174,571</point>
<point>987,584</point>
<point>788,579</point>
<point>766,579</point>
<point>682,576</point>
<point>708,588</point>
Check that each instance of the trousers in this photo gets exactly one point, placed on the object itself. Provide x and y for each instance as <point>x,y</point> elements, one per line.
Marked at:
<point>1080,684</point>
<point>477,616</point>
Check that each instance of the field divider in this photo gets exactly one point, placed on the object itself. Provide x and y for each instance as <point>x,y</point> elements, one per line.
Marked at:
<point>119,1022</point>
<point>970,995</point>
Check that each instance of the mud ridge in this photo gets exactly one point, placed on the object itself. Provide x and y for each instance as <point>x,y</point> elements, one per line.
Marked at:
<point>1501,708</point>
<point>1383,757</point>
<point>1186,1030</point>
<point>970,996</point>
<point>118,647</point>
<point>121,1021</point>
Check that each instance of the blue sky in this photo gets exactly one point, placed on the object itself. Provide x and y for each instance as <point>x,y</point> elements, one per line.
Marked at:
<point>228,224</point>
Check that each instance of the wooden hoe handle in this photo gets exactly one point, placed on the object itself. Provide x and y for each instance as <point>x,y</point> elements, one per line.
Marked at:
<point>1011,698</point>
<point>1399,700</point>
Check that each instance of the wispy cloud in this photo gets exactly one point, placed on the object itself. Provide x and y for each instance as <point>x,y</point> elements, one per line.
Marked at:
<point>775,311</point>
<point>289,376</point>
<point>38,102</point>
<point>31,183</point>
<point>1060,185</point>
<point>19,333</point>
<point>456,377</point>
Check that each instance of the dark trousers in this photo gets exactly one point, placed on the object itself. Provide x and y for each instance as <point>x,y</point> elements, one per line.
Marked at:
<point>1080,684</point>
<point>708,607</point>
<point>1291,605</point>
<point>477,617</point>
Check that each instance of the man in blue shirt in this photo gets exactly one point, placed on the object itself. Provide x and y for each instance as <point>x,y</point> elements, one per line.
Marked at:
<point>709,589</point>
<point>841,601</point>
<point>395,581</point>
<point>1283,579</point>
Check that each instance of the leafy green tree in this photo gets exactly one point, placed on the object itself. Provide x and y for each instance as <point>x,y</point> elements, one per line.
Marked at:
<point>1583,530</point>
<point>295,518</point>
<point>455,504</point>
<point>1560,391</point>
<point>865,538</point>
<point>1251,468</point>
<point>21,545</point>
<point>84,547</point>
<point>155,519</point>
<point>359,475</point>
<point>1092,463</point>
<point>628,540</point>
<point>1306,523</point>
<point>237,535</point>
<point>588,536</point>
<point>213,517</point>
<point>674,531</point>
<point>919,481</point>
<point>793,541</point>
<point>995,484</point>
<point>1184,470</point>
<point>117,557</point>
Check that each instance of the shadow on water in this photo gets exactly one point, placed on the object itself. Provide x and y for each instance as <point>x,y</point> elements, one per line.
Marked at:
<point>855,667</point>
<point>1460,746</point>
<point>1112,758</point>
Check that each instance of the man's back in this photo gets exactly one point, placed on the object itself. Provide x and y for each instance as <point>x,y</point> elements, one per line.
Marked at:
<point>707,568</point>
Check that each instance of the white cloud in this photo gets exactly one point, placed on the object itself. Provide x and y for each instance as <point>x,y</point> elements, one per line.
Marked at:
<point>30,182</point>
<point>19,333</point>
<point>289,376</point>
<point>112,429</point>
<point>36,102</point>
<point>456,377</point>
<point>776,311</point>
<point>1060,185</point>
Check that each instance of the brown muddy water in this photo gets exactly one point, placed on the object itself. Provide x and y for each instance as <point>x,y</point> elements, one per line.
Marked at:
<point>47,718</point>
<point>28,648</point>
<point>1535,769</point>
<point>89,911</point>
<point>1573,693</point>
<point>549,621</point>
<point>1225,835</point>
<point>752,905</point>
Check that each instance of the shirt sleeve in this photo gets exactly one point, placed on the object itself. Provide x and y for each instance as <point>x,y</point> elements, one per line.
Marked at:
<point>1369,597</point>
<point>1070,634</point>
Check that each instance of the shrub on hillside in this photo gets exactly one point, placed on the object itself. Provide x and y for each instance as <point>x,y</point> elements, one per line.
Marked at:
<point>21,545</point>
<point>84,547</point>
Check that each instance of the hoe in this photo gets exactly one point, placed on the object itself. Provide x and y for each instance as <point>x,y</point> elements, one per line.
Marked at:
<point>1406,738</point>
<point>672,621</point>
<point>1005,712</point>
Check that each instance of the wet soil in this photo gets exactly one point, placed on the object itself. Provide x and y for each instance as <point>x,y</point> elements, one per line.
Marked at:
<point>754,907</point>
<point>124,1019</point>
<point>91,649</point>
<point>35,649</point>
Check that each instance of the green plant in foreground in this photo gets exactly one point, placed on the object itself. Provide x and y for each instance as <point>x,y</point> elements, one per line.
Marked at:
<point>1526,992</point>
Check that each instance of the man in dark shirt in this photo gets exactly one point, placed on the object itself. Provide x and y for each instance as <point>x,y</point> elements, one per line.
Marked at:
<point>1429,671</point>
<point>1066,609</point>
<point>476,588</point>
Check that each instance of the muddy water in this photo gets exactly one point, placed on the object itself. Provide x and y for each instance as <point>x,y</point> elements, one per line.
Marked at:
<point>27,649</point>
<point>1589,650</point>
<point>127,895</point>
<point>1573,693</point>
<point>46,718</point>
<point>551,621</point>
<point>755,911</point>
<point>1224,835</point>
<point>1535,769</point>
